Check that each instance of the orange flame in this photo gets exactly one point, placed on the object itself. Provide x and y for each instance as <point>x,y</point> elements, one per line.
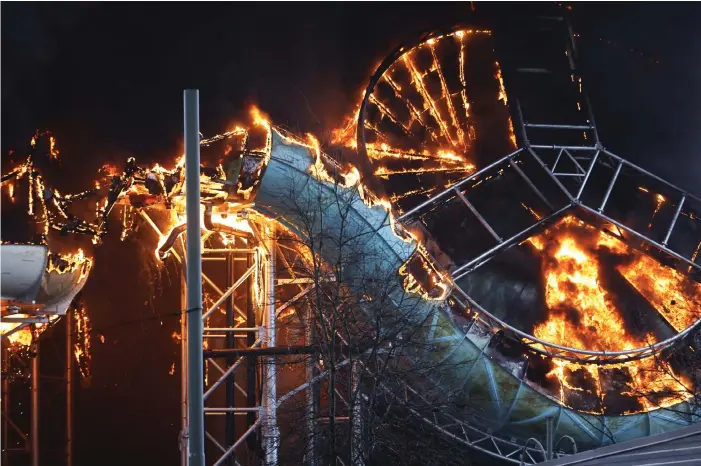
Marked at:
<point>573,287</point>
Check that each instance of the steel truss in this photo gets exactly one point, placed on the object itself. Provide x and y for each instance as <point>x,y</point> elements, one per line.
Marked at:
<point>586,157</point>
<point>31,438</point>
<point>464,433</point>
<point>569,166</point>
<point>245,385</point>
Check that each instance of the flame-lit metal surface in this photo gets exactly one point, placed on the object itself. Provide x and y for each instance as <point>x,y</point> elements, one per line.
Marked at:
<point>22,270</point>
<point>290,170</point>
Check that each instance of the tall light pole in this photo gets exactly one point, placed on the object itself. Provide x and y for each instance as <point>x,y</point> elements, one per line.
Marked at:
<point>195,383</point>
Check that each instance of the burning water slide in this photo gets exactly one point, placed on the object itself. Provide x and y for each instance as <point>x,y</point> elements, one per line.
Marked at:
<point>496,396</point>
<point>38,286</point>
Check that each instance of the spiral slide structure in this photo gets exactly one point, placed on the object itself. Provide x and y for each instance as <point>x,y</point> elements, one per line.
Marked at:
<point>496,399</point>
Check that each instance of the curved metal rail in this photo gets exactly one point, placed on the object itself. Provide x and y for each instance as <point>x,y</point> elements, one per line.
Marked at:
<point>512,160</point>
<point>393,56</point>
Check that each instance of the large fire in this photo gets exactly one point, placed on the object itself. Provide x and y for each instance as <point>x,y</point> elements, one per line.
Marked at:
<point>583,313</point>
<point>418,119</point>
<point>21,338</point>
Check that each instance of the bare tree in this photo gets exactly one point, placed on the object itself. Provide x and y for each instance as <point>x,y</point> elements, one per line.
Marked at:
<point>366,337</point>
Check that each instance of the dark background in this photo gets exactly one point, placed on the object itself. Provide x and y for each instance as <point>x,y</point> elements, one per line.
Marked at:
<point>107,80</point>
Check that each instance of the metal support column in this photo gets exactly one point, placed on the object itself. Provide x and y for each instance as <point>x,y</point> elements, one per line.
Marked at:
<point>6,404</point>
<point>230,427</point>
<point>34,435</point>
<point>69,388</point>
<point>674,221</point>
<point>549,437</point>
<point>270,430</point>
<point>195,364</point>
<point>610,187</point>
<point>251,361</point>
<point>184,444</point>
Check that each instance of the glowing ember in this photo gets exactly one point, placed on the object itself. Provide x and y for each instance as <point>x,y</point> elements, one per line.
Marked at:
<point>502,89</point>
<point>82,346</point>
<point>53,151</point>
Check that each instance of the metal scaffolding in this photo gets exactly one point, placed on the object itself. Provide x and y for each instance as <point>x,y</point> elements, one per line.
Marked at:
<point>11,424</point>
<point>570,152</point>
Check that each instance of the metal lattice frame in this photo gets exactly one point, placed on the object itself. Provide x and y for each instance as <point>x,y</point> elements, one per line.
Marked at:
<point>581,161</point>
<point>464,433</point>
<point>31,438</point>
<point>260,326</point>
<point>512,161</point>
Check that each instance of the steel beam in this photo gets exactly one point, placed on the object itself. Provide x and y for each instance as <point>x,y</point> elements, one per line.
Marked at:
<point>34,429</point>
<point>228,293</point>
<point>466,268</point>
<point>610,187</point>
<point>546,126</point>
<point>250,361</point>
<point>530,183</point>
<point>481,219</point>
<point>230,426</point>
<point>674,221</point>
<point>447,191</point>
<point>69,388</point>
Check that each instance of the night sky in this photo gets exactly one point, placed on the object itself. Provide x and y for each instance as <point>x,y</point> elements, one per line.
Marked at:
<point>107,80</point>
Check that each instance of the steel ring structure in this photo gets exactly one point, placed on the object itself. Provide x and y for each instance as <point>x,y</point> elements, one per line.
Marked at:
<point>586,159</point>
<point>491,321</point>
<point>391,59</point>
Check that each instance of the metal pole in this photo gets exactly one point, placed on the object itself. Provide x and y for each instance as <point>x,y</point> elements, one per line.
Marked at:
<point>251,361</point>
<point>549,434</point>
<point>34,436</point>
<point>230,428</point>
<point>270,430</point>
<point>481,219</point>
<point>69,388</point>
<point>184,444</point>
<point>674,221</point>
<point>195,364</point>
<point>586,176</point>
<point>6,404</point>
<point>610,188</point>
<point>526,143</point>
<point>443,193</point>
<point>528,181</point>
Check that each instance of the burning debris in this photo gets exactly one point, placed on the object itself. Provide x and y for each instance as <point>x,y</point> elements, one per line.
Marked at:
<point>583,312</point>
<point>417,127</point>
<point>83,344</point>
